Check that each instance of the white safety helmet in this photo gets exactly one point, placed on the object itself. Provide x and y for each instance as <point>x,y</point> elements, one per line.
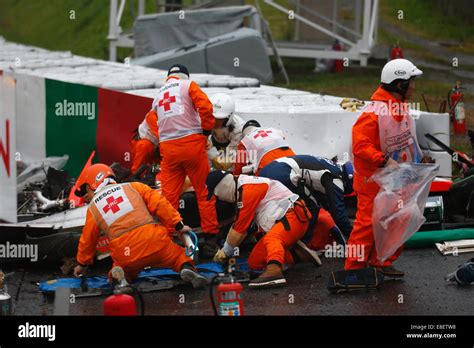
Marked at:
<point>398,69</point>
<point>223,105</point>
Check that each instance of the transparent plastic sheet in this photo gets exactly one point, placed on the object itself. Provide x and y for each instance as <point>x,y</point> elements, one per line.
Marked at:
<point>399,205</point>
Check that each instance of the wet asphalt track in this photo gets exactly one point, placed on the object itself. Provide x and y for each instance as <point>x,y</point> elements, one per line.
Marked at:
<point>423,292</point>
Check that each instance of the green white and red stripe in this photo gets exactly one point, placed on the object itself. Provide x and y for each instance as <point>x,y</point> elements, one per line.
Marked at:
<point>66,118</point>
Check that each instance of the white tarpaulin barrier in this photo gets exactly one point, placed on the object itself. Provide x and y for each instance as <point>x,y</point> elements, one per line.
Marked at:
<point>313,123</point>
<point>399,205</point>
<point>322,138</point>
<point>8,197</point>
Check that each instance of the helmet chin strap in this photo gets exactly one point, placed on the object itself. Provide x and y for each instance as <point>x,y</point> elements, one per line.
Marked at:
<point>393,87</point>
<point>404,88</point>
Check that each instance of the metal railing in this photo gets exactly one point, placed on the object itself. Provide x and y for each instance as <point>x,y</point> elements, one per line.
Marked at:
<point>359,50</point>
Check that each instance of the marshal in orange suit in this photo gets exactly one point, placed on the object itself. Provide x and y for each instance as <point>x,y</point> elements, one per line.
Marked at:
<point>383,135</point>
<point>126,213</point>
<point>185,120</point>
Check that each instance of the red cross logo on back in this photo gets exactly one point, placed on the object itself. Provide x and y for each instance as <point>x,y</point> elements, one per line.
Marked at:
<point>262,133</point>
<point>113,204</point>
<point>167,101</point>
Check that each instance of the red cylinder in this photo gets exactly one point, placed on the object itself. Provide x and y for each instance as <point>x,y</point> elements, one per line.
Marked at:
<point>120,305</point>
<point>229,299</point>
<point>396,52</point>
<point>458,112</point>
<point>338,63</point>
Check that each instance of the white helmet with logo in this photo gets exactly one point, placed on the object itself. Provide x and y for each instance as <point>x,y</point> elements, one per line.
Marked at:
<point>223,105</point>
<point>399,69</point>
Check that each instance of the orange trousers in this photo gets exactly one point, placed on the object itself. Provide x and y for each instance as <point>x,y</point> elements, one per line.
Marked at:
<point>363,233</point>
<point>169,255</point>
<point>188,156</point>
<point>141,152</point>
<point>275,245</point>
<point>322,234</point>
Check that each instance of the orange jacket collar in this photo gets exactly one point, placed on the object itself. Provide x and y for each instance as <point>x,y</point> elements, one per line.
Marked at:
<point>383,95</point>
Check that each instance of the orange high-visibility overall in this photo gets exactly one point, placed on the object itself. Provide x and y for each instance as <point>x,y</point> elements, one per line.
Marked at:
<point>184,112</point>
<point>322,235</point>
<point>260,202</point>
<point>368,157</point>
<point>125,212</point>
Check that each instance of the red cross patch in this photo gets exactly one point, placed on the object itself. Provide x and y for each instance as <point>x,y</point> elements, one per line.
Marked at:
<point>167,101</point>
<point>262,133</point>
<point>112,204</point>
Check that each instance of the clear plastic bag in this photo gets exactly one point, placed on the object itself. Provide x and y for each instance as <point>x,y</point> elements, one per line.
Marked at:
<point>399,205</point>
